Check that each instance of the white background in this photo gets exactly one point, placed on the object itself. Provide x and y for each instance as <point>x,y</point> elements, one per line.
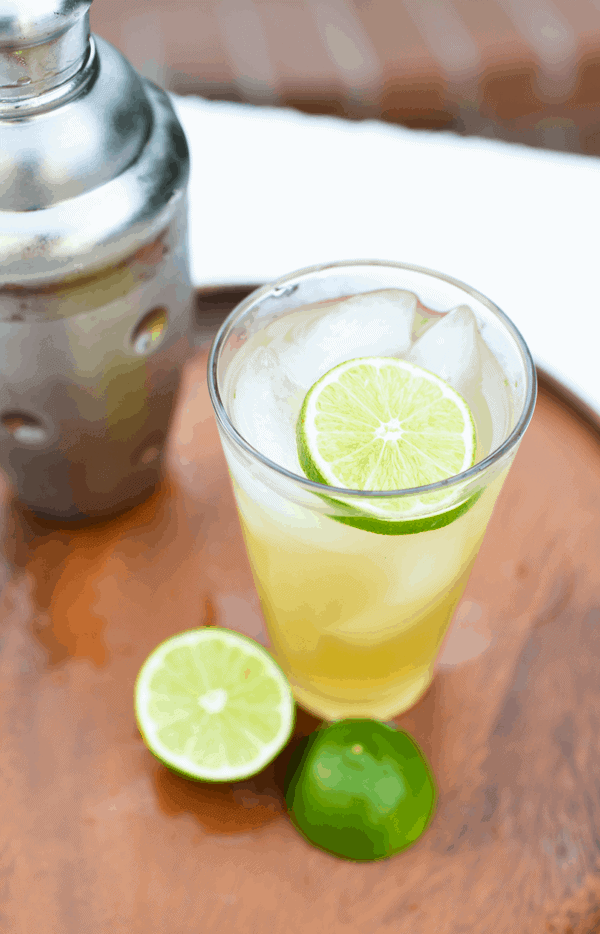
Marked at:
<point>272,191</point>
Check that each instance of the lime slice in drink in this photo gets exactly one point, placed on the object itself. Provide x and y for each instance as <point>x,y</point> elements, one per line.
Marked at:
<point>213,705</point>
<point>380,423</point>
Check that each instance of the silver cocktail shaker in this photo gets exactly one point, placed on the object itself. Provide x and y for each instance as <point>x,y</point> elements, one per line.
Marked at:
<point>96,306</point>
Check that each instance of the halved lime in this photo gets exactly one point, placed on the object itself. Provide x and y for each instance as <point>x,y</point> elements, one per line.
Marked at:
<point>213,705</point>
<point>380,424</point>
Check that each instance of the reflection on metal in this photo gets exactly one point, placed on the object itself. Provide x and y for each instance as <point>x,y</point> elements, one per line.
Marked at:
<point>25,429</point>
<point>150,332</point>
<point>150,455</point>
<point>149,450</point>
<point>93,251</point>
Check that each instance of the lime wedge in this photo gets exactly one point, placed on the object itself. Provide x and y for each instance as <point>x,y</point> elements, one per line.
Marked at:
<point>213,705</point>
<point>379,424</point>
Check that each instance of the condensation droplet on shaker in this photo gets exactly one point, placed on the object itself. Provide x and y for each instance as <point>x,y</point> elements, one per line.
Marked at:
<point>24,428</point>
<point>149,455</point>
<point>150,331</point>
<point>149,450</point>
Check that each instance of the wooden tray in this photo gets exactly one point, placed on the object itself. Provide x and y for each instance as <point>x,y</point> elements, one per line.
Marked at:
<point>98,837</point>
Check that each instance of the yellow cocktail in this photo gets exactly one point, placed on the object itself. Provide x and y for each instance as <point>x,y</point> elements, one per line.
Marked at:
<point>356,615</point>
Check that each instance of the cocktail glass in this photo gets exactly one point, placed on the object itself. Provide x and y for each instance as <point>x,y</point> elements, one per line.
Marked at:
<point>357,606</point>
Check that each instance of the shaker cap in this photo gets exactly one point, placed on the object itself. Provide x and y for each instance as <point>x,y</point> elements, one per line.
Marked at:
<point>43,43</point>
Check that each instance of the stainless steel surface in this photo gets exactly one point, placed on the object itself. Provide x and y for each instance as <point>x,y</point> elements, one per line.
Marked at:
<point>95,299</point>
<point>64,208</point>
<point>43,43</point>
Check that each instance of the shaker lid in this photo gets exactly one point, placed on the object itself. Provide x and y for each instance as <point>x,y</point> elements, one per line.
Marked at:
<point>43,43</point>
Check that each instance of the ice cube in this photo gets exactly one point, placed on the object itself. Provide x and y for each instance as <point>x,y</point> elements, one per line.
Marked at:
<point>374,324</point>
<point>454,349</point>
<point>280,363</point>
<point>312,340</point>
<point>449,348</point>
<point>263,399</point>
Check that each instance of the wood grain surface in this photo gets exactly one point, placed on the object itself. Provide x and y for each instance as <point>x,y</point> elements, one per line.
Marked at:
<point>521,70</point>
<point>98,837</point>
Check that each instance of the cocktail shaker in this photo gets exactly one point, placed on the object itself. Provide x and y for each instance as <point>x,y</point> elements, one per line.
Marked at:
<point>96,306</point>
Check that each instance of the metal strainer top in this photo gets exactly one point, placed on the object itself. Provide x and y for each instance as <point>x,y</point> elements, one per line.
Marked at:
<point>43,43</point>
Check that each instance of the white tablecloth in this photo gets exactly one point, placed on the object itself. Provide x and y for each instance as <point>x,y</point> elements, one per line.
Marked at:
<point>273,190</point>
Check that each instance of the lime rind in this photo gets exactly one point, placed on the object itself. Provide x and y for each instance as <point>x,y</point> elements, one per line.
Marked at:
<point>348,405</point>
<point>406,526</point>
<point>339,807</point>
<point>186,724</point>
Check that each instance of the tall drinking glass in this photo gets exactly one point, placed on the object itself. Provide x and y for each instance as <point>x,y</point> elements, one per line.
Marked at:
<point>358,587</point>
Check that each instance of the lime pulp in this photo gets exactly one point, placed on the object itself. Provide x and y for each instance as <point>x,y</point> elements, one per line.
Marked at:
<point>213,705</point>
<point>385,424</point>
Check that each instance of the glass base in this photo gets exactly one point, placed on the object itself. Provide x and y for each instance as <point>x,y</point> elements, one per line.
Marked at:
<point>380,705</point>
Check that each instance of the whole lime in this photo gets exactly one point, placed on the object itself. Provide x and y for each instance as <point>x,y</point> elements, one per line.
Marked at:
<point>360,790</point>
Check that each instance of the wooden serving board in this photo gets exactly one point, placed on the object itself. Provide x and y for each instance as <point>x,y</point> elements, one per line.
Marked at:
<point>99,838</point>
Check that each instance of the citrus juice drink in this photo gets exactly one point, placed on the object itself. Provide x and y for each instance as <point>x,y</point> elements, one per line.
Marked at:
<point>357,622</point>
<point>359,583</point>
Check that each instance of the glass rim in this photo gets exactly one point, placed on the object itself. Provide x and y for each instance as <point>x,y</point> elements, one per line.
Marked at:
<point>479,468</point>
